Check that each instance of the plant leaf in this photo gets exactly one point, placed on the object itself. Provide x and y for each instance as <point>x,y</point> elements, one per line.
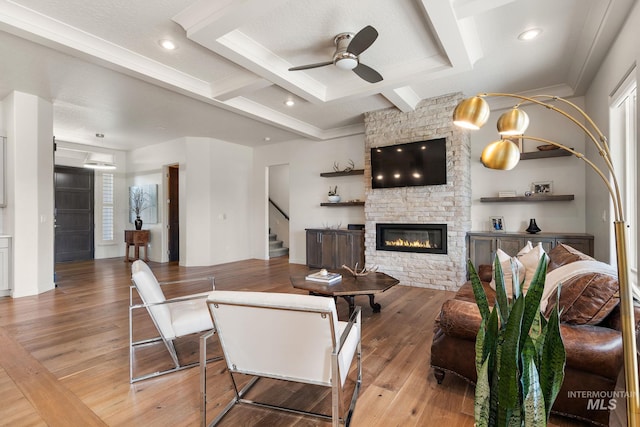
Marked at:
<point>508,368</point>
<point>478,292</point>
<point>553,359</point>
<point>533,296</point>
<point>482,396</point>
<point>533,402</point>
<point>501,293</point>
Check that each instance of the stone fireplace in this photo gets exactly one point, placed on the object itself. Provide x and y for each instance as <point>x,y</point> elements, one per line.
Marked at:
<point>448,204</point>
<point>419,238</point>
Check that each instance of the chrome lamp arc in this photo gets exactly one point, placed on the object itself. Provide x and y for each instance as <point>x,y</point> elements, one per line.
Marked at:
<point>472,113</point>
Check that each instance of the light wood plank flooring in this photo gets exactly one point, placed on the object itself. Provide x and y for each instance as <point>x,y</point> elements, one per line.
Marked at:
<point>64,357</point>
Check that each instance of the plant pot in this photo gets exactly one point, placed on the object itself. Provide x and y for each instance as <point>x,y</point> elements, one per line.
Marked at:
<point>334,199</point>
<point>138,223</point>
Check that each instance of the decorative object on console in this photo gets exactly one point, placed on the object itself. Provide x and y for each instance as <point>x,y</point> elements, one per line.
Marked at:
<point>143,204</point>
<point>473,113</point>
<point>547,147</point>
<point>497,223</point>
<point>506,194</point>
<point>533,227</point>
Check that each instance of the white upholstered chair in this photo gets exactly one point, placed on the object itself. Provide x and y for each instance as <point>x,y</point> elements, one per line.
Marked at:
<point>173,318</point>
<point>284,336</point>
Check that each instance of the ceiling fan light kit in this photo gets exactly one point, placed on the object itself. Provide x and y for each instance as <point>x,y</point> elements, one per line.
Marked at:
<point>346,56</point>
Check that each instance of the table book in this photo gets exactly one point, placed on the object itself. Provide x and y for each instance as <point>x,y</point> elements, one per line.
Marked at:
<point>328,278</point>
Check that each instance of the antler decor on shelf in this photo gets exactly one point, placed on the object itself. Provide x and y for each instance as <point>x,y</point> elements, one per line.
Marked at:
<point>362,272</point>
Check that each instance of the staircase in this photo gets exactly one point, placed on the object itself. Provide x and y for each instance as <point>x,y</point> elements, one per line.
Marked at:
<point>275,247</point>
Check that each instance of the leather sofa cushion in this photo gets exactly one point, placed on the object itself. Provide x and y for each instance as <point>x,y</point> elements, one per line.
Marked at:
<point>594,349</point>
<point>586,299</point>
<point>563,254</point>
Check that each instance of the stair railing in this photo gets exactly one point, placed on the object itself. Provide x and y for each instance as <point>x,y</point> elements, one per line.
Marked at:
<point>279,209</point>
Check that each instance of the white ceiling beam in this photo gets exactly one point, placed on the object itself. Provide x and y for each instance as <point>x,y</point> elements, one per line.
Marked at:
<point>219,17</point>
<point>238,85</point>
<point>276,118</point>
<point>458,40</point>
<point>404,98</point>
<point>470,8</point>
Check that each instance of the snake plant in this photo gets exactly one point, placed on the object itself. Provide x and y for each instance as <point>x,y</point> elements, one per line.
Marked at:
<point>520,356</point>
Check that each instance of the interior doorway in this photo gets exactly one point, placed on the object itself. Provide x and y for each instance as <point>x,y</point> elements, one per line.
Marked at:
<point>73,214</point>
<point>278,214</point>
<point>173,219</point>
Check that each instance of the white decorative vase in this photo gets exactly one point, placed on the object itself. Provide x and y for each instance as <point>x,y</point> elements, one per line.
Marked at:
<point>334,199</point>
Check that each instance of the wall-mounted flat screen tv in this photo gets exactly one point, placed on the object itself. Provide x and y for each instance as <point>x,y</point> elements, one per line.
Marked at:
<point>409,165</point>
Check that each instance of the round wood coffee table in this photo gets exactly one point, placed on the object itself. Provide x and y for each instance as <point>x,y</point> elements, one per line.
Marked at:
<point>348,287</point>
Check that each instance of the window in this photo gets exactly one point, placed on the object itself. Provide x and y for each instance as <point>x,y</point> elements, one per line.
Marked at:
<point>624,150</point>
<point>107,207</point>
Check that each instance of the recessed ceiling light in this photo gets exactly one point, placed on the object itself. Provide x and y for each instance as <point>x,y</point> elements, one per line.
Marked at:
<point>289,103</point>
<point>99,135</point>
<point>530,34</point>
<point>267,139</point>
<point>167,44</point>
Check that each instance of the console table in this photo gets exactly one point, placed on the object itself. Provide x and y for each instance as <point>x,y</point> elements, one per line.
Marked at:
<point>482,246</point>
<point>138,239</point>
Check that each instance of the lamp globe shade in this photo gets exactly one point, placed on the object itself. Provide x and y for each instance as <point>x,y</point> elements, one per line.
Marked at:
<point>503,155</point>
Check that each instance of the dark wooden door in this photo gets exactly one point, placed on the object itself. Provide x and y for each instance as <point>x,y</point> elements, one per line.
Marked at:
<point>73,214</point>
<point>174,214</point>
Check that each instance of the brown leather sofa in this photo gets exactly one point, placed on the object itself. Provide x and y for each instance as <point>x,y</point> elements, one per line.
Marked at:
<point>590,329</point>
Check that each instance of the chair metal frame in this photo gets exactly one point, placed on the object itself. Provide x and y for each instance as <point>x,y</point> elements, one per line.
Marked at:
<point>336,386</point>
<point>168,343</point>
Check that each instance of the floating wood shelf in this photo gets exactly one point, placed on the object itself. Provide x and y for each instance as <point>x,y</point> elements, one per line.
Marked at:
<point>544,154</point>
<point>343,204</point>
<point>342,173</point>
<point>534,198</point>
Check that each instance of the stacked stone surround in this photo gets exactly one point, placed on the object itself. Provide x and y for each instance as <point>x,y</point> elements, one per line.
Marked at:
<point>449,204</point>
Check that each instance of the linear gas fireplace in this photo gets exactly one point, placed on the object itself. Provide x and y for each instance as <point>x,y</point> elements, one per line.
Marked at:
<point>424,238</point>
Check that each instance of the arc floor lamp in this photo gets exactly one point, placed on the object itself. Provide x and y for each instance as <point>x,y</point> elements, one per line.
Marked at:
<point>473,113</point>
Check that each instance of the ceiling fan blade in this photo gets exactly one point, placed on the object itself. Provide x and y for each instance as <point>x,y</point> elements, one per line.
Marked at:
<point>306,67</point>
<point>362,40</point>
<point>367,73</point>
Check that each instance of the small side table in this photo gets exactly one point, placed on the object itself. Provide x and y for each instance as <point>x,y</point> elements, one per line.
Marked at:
<point>138,239</point>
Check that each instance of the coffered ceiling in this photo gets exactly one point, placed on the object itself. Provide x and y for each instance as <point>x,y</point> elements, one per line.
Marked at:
<point>101,64</point>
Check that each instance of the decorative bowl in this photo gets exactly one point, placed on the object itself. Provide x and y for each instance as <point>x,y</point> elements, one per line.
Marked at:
<point>334,199</point>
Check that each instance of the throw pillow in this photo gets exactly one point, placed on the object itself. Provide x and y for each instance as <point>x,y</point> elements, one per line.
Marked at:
<point>563,254</point>
<point>530,259</point>
<point>505,263</point>
<point>586,299</point>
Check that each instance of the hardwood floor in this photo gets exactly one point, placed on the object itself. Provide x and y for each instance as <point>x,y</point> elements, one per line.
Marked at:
<point>64,357</point>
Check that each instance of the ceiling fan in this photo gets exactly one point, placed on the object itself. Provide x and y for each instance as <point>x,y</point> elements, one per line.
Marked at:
<point>348,49</point>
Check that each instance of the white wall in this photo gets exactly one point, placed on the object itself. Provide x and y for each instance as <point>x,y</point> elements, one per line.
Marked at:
<point>307,159</point>
<point>214,198</point>
<point>29,192</point>
<point>622,56</point>
<point>567,174</point>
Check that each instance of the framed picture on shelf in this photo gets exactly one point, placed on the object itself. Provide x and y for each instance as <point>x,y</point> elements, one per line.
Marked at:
<point>542,187</point>
<point>497,223</point>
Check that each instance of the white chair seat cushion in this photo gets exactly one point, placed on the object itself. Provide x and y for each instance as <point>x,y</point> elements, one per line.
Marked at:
<point>190,316</point>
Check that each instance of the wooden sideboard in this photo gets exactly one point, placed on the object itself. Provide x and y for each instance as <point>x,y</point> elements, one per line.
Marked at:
<point>482,246</point>
<point>138,239</point>
<point>331,248</point>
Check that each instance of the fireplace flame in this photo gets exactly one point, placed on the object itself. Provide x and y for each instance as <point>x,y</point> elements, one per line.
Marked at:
<point>410,243</point>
